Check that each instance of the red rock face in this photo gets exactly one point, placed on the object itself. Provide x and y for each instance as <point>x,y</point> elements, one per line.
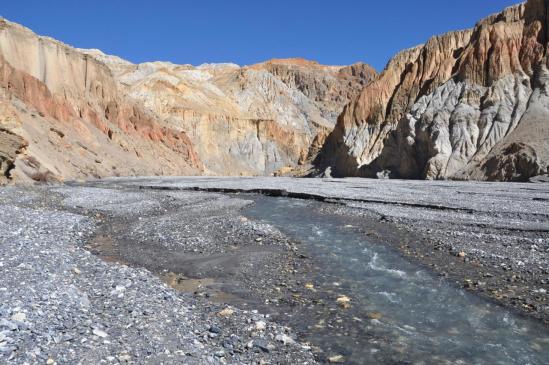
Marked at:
<point>437,110</point>
<point>100,131</point>
<point>33,92</point>
<point>134,121</point>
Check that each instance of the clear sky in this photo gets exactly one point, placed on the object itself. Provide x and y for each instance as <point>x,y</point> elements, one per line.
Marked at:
<point>248,31</point>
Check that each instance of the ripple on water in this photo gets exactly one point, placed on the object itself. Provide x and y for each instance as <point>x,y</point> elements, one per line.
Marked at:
<point>375,266</point>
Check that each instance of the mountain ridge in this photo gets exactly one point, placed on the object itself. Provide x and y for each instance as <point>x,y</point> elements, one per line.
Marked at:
<point>467,104</point>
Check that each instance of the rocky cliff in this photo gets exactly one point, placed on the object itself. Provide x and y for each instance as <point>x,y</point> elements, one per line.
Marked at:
<point>251,120</point>
<point>62,115</point>
<point>69,113</point>
<point>471,104</point>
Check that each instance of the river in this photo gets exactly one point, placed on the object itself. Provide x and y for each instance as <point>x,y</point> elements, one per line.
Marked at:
<point>398,313</point>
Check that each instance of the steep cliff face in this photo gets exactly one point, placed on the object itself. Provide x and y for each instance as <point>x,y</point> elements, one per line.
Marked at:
<point>69,113</point>
<point>62,115</point>
<point>329,87</point>
<point>470,104</point>
<point>251,120</point>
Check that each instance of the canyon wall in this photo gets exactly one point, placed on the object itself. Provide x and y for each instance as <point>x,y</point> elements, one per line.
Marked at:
<point>62,115</point>
<point>470,104</point>
<point>68,113</point>
<point>251,120</point>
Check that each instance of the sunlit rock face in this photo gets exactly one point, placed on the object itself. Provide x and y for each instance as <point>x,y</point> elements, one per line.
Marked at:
<point>471,104</point>
<point>69,113</point>
<point>252,120</point>
<point>63,116</point>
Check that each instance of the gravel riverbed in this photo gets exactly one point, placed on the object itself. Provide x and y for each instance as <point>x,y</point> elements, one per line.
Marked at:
<point>60,304</point>
<point>140,270</point>
<point>490,238</point>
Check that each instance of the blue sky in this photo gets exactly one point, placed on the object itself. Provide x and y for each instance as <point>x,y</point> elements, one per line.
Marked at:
<point>246,32</point>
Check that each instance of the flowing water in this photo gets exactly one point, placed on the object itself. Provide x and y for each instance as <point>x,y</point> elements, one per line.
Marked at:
<point>400,313</point>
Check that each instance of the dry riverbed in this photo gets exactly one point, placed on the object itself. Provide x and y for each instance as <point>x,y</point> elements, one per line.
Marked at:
<point>150,270</point>
<point>60,304</point>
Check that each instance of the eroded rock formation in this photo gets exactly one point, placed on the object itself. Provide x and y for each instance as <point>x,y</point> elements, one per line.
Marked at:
<point>62,115</point>
<point>69,113</point>
<point>251,120</point>
<point>471,104</point>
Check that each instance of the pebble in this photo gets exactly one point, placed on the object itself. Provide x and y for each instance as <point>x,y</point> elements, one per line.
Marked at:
<point>260,325</point>
<point>285,339</point>
<point>336,359</point>
<point>227,312</point>
<point>19,317</point>
<point>262,345</point>
<point>343,301</point>
<point>374,315</point>
<point>100,333</point>
<point>7,349</point>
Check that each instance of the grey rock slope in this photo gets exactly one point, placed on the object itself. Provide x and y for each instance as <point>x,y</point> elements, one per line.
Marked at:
<point>470,104</point>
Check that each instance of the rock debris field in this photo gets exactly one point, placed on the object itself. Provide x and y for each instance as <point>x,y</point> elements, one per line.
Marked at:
<point>113,271</point>
<point>60,304</point>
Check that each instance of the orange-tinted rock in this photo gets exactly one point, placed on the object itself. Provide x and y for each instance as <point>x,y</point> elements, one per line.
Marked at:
<point>438,110</point>
<point>111,117</point>
<point>251,120</point>
<point>48,86</point>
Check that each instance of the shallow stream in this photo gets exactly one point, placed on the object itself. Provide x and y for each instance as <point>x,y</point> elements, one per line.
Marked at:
<point>399,312</point>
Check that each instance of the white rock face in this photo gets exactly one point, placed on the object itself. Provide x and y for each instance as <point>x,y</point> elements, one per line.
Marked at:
<point>457,125</point>
<point>525,150</point>
<point>466,105</point>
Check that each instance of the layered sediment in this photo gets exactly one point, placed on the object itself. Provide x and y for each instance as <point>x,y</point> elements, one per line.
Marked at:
<point>470,104</point>
<point>73,113</point>
<point>251,120</point>
<point>67,110</point>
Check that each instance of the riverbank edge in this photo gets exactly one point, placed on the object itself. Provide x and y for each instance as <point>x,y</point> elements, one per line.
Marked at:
<point>465,272</point>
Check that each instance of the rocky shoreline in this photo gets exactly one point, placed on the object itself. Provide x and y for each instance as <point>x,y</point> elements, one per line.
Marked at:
<point>489,238</point>
<point>60,303</point>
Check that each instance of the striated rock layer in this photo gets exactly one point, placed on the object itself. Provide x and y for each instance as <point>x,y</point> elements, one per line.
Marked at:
<point>251,120</point>
<point>62,115</point>
<point>471,104</point>
<point>68,113</point>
